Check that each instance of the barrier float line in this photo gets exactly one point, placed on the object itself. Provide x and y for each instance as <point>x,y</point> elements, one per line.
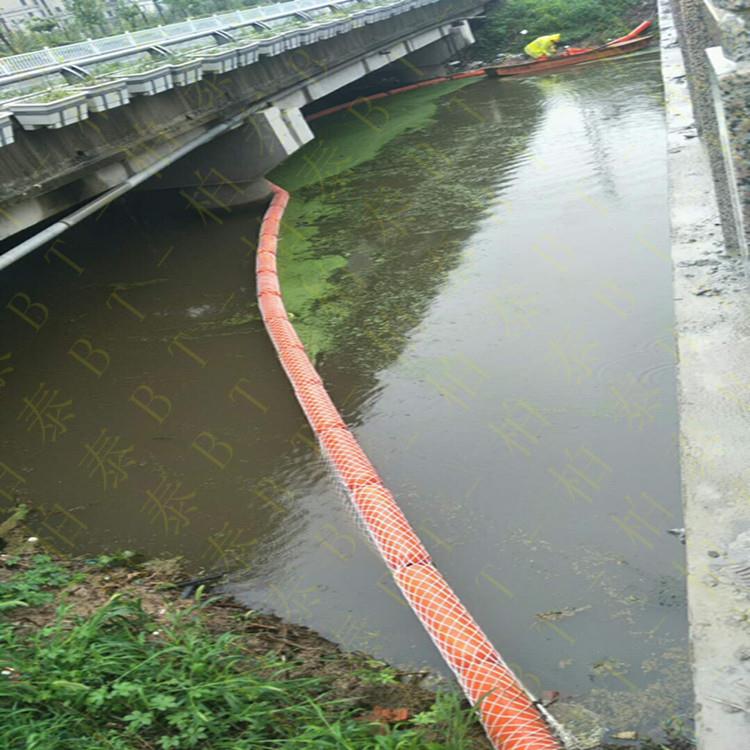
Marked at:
<point>476,73</point>
<point>510,716</point>
<point>392,92</point>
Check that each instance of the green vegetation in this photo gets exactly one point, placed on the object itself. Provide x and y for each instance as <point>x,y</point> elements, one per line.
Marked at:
<point>54,95</point>
<point>33,587</point>
<point>317,176</point>
<point>102,655</point>
<point>84,669</point>
<point>40,95</point>
<point>578,21</point>
<point>95,18</point>
<point>143,66</point>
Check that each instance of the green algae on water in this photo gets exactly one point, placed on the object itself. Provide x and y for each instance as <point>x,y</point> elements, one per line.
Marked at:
<point>306,275</point>
<point>316,176</point>
<point>351,137</point>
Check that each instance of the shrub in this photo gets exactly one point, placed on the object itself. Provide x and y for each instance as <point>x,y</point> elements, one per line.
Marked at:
<point>576,20</point>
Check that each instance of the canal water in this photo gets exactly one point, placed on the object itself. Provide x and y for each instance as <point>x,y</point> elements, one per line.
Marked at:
<point>482,273</point>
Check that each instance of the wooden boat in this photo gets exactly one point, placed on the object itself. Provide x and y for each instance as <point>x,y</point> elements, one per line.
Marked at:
<point>631,42</point>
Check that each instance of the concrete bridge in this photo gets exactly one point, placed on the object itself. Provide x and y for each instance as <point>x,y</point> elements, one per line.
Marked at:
<point>210,127</point>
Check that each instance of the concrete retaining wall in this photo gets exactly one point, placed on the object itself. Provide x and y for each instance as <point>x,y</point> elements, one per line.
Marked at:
<point>715,39</point>
<point>712,310</point>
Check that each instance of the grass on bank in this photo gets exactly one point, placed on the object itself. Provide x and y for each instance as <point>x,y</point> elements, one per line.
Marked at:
<point>103,655</point>
<point>578,21</point>
<point>117,676</point>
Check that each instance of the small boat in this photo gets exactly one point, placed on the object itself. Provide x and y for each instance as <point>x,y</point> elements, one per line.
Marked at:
<point>624,45</point>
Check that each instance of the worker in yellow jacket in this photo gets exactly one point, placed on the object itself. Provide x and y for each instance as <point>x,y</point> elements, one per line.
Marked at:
<point>544,46</point>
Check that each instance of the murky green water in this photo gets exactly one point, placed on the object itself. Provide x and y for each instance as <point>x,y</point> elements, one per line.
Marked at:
<point>483,274</point>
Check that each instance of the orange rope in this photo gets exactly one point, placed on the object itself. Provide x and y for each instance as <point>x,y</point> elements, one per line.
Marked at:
<point>511,718</point>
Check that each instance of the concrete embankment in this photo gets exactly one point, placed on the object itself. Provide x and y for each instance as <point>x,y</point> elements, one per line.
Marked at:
<point>713,315</point>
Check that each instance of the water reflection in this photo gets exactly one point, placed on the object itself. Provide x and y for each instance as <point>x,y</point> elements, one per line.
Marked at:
<point>486,281</point>
<point>147,397</point>
<point>504,348</point>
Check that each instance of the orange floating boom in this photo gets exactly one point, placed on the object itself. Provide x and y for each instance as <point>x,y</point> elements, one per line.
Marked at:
<point>612,48</point>
<point>634,34</point>
<point>392,92</point>
<point>510,716</point>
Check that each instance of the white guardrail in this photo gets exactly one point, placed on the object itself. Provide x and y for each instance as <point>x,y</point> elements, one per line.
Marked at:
<point>64,85</point>
<point>48,60</point>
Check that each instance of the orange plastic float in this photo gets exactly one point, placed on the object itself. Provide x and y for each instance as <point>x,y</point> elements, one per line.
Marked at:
<point>268,283</point>
<point>265,261</point>
<point>510,716</point>
<point>298,366</point>
<point>348,459</point>
<point>388,527</point>
<point>268,242</point>
<point>283,334</point>
<point>447,621</point>
<point>272,308</point>
<point>634,34</point>
<point>320,411</point>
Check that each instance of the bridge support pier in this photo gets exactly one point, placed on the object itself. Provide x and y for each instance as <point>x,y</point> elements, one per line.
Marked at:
<point>229,171</point>
<point>431,61</point>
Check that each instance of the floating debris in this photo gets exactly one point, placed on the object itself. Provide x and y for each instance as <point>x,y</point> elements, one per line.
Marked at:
<point>679,533</point>
<point>584,727</point>
<point>560,614</point>
<point>625,736</point>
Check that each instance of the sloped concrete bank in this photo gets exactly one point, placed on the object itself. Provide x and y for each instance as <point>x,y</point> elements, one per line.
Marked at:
<point>712,308</point>
<point>695,39</point>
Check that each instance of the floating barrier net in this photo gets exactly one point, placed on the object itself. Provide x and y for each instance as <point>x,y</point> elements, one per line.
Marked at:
<point>511,717</point>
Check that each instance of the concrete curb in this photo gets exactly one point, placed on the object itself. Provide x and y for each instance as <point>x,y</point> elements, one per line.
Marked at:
<point>712,310</point>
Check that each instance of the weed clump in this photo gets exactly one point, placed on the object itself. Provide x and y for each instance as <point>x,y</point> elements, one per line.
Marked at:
<point>579,21</point>
<point>156,672</point>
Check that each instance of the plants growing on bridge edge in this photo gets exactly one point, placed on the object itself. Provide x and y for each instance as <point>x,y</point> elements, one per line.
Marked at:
<point>110,70</point>
<point>41,33</point>
<point>288,25</point>
<point>48,108</point>
<point>144,65</point>
<point>52,95</point>
<point>94,87</point>
<point>104,94</point>
<point>48,92</point>
<point>181,63</point>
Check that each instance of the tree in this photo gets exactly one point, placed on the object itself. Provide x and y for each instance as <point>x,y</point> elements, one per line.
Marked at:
<point>130,14</point>
<point>90,14</point>
<point>186,8</point>
<point>42,25</point>
<point>5,35</point>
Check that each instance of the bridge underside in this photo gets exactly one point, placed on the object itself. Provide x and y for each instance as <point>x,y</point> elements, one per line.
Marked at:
<point>230,170</point>
<point>50,171</point>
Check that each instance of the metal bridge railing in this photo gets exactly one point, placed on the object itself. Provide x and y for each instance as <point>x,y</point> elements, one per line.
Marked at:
<point>49,60</point>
